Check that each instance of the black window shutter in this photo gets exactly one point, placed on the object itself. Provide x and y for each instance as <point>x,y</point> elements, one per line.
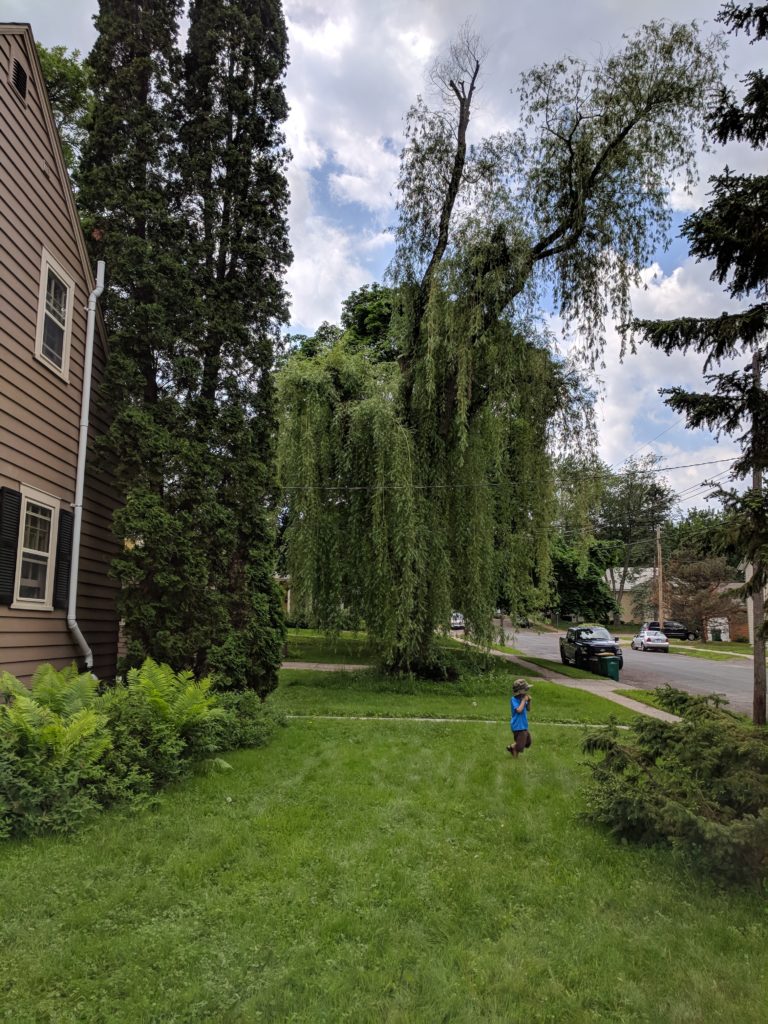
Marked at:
<point>63,560</point>
<point>10,512</point>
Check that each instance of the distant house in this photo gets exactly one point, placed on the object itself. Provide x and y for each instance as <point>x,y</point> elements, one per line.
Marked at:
<point>638,581</point>
<point>45,285</point>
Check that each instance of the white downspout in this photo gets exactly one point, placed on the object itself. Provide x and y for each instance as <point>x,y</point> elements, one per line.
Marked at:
<point>82,449</point>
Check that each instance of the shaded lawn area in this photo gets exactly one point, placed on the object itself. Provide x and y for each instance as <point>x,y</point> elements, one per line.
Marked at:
<point>345,649</point>
<point>398,872</point>
<point>482,697</point>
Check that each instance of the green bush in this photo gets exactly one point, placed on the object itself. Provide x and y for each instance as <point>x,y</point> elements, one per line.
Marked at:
<point>245,720</point>
<point>52,745</point>
<point>160,721</point>
<point>66,750</point>
<point>700,785</point>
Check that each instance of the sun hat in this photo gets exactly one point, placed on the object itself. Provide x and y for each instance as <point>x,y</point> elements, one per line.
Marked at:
<point>520,686</point>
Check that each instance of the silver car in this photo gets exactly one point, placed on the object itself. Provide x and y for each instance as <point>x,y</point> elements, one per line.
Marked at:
<point>650,640</point>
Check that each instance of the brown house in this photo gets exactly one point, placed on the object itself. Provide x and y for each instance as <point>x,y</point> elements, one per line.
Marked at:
<point>57,602</point>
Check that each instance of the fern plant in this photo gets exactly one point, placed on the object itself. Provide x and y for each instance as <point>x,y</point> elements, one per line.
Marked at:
<point>52,742</point>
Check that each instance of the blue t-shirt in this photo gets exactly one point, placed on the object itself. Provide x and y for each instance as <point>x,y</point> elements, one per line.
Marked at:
<point>519,720</point>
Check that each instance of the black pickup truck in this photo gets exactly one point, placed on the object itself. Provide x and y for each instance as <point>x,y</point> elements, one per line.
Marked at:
<point>581,643</point>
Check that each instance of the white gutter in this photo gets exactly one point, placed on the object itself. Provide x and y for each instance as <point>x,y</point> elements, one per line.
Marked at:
<point>82,449</point>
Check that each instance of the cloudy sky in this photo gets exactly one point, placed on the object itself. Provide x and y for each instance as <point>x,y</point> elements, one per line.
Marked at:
<point>356,66</point>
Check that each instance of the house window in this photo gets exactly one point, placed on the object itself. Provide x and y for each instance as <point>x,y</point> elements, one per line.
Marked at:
<point>54,316</point>
<point>35,560</point>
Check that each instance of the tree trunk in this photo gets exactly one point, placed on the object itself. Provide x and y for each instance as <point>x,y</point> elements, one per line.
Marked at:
<point>758,601</point>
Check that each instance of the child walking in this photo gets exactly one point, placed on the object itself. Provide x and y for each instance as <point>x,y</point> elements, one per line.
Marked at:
<point>520,703</point>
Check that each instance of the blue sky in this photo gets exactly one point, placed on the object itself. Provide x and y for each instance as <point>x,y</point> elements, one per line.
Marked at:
<point>356,66</point>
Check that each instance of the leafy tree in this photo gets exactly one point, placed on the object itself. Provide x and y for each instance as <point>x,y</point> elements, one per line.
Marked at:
<point>635,502</point>
<point>730,231</point>
<point>695,537</point>
<point>182,181</point>
<point>366,319</point>
<point>430,474</point>
<point>579,582</point>
<point>698,591</point>
<point>68,82</point>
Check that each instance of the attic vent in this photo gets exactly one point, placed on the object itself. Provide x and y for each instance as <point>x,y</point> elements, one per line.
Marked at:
<point>20,79</point>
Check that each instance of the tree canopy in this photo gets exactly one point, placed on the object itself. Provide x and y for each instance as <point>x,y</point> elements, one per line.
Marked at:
<point>422,482</point>
<point>68,83</point>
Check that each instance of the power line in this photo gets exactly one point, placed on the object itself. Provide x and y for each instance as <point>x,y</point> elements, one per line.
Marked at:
<point>688,465</point>
<point>661,434</point>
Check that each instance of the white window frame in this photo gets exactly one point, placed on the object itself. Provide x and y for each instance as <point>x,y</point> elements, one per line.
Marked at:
<point>30,495</point>
<point>47,263</point>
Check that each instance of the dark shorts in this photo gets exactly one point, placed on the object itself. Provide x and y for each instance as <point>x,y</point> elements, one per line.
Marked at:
<point>522,740</point>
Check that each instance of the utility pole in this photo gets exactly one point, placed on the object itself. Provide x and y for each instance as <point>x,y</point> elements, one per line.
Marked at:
<point>660,579</point>
<point>758,601</point>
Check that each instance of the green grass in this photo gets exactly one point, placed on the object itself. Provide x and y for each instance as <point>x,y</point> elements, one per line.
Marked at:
<point>564,670</point>
<point>483,697</point>
<point>706,654</point>
<point>722,646</point>
<point>375,873</point>
<point>643,696</point>
<point>505,649</point>
<point>344,649</point>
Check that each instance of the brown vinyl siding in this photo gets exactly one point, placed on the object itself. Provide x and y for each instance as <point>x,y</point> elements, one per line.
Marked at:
<point>39,410</point>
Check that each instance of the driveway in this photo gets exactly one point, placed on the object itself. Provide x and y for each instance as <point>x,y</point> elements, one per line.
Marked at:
<point>646,670</point>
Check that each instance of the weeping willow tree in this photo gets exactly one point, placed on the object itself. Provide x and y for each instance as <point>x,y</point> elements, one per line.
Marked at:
<point>421,482</point>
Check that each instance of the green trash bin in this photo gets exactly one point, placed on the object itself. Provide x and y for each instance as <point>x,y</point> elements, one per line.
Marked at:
<point>608,665</point>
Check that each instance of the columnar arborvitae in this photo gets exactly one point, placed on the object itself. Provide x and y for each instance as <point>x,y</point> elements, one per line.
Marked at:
<point>183,186</point>
<point>232,170</point>
<point>731,231</point>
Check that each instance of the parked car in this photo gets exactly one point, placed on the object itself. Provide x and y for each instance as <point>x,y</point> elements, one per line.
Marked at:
<point>650,640</point>
<point>582,642</point>
<point>672,630</point>
<point>457,620</point>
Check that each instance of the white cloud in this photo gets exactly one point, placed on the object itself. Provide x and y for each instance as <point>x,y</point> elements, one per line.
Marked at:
<point>632,417</point>
<point>329,41</point>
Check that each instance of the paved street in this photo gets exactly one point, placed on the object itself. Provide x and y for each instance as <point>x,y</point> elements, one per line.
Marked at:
<point>646,670</point>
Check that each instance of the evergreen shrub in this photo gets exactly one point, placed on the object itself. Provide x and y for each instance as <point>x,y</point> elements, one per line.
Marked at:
<point>699,785</point>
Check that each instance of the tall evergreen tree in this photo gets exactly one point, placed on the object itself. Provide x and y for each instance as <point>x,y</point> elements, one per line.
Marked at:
<point>732,230</point>
<point>232,170</point>
<point>183,186</point>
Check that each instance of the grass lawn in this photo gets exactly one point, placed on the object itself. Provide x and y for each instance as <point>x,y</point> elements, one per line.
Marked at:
<point>376,872</point>
<point>345,649</point>
<point>643,696</point>
<point>564,670</point>
<point>707,655</point>
<point>485,697</point>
